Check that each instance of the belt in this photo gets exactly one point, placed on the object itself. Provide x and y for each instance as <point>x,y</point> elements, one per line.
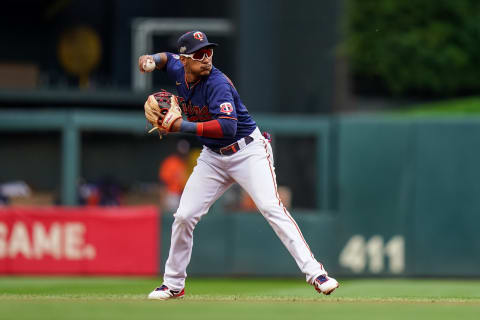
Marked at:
<point>234,147</point>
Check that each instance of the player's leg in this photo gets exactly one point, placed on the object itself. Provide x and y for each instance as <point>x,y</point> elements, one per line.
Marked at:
<point>205,185</point>
<point>253,169</point>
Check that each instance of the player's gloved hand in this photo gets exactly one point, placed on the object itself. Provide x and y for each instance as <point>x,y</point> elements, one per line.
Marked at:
<point>162,110</point>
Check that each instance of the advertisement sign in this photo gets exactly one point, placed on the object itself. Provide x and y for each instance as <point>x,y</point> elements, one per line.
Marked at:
<point>83,240</point>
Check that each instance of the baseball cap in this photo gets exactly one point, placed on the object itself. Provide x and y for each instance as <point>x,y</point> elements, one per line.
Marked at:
<point>193,41</point>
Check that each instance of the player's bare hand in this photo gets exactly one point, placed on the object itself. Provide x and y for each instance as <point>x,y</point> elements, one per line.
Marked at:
<point>176,125</point>
<point>144,61</point>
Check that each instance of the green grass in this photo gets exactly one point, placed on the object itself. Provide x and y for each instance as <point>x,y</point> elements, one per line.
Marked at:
<point>239,298</point>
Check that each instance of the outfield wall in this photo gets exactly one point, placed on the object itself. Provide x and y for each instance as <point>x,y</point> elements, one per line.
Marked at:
<point>408,193</point>
<point>418,179</point>
<point>400,197</point>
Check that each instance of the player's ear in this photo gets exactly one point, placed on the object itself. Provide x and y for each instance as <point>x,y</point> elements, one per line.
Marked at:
<point>183,60</point>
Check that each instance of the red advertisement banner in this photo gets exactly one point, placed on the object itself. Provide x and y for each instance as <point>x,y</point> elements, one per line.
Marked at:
<point>84,240</point>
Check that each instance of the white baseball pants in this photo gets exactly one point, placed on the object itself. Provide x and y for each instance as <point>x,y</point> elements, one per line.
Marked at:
<point>252,168</point>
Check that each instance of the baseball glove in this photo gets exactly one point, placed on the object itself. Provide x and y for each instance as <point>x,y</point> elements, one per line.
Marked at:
<point>161,110</point>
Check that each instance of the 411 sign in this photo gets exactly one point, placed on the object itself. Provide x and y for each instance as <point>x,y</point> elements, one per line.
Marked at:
<point>359,252</point>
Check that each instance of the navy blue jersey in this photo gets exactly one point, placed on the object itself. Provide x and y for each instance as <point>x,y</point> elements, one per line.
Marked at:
<point>212,97</point>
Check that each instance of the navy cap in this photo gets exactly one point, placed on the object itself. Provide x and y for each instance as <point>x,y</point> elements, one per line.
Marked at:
<point>193,41</point>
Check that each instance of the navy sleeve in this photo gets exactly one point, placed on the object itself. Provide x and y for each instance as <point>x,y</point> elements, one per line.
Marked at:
<point>229,127</point>
<point>174,66</point>
<point>220,101</point>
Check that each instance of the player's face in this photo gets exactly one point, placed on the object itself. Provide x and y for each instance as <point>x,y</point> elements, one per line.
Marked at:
<point>201,67</point>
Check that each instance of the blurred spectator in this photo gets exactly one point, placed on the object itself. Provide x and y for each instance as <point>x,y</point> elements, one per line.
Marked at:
<point>106,192</point>
<point>13,189</point>
<point>172,175</point>
<point>285,194</point>
<point>3,200</point>
<point>110,192</point>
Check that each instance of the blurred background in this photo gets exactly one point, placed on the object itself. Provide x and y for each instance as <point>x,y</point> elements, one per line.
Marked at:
<point>372,106</point>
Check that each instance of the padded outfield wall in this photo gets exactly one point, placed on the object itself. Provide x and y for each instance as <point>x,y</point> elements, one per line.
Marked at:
<point>418,179</point>
<point>397,197</point>
<point>408,197</point>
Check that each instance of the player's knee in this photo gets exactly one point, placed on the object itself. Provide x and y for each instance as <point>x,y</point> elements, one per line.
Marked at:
<point>185,219</point>
<point>268,208</point>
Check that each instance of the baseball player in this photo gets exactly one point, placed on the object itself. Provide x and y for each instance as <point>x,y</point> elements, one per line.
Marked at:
<point>234,150</point>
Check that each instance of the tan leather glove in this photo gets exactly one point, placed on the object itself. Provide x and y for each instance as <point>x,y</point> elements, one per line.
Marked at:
<point>162,110</point>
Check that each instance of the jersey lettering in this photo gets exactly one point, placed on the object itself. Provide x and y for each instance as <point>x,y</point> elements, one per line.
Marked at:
<point>196,113</point>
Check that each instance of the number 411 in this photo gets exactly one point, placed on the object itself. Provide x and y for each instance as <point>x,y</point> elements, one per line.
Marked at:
<point>357,252</point>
